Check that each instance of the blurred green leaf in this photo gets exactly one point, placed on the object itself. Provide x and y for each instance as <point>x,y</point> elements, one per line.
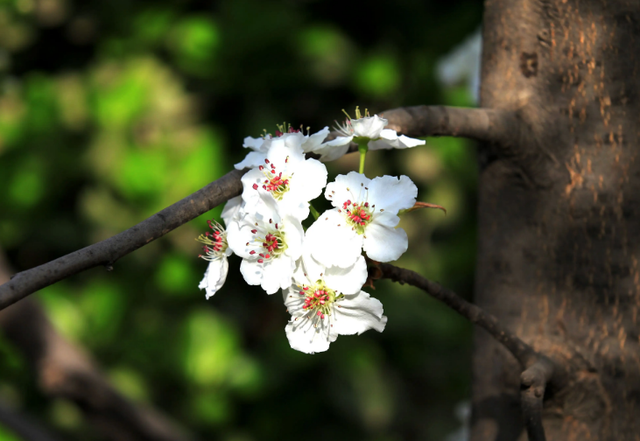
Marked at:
<point>130,383</point>
<point>102,304</point>
<point>378,75</point>
<point>27,186</point>
<point>176,275</point>
<point>194,41</point>
<point>210,348</point>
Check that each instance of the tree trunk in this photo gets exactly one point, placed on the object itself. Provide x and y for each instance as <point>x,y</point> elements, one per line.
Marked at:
<point>559,224</point>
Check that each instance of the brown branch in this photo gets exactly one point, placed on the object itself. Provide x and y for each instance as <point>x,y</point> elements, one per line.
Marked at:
<point>489,125</point>
<point>538,369</point>
<point>481,124</point>
<point>65,370</point>
<point>108,251</point>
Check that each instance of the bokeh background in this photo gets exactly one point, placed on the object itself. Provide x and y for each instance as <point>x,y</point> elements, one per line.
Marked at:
<point>111,110</point>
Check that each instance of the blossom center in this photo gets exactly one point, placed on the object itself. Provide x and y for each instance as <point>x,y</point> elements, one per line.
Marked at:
<point>318,299</point>
<point>215,242</point>
<point>358,215</point>
<point>271,245</point>
<point>275,183</point>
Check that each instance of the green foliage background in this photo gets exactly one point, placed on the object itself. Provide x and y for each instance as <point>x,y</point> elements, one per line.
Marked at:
<point>113,109</point>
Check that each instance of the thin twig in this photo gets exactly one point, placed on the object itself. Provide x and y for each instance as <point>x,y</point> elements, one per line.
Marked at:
<point>108,251</point>
<point>520,350</point>
<point>538,369</point>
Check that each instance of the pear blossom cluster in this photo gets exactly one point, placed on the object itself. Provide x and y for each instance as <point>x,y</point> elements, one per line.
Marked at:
<point>321,271</point>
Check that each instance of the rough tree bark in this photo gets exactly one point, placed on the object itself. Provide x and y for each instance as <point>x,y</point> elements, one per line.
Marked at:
<point>559,222</point>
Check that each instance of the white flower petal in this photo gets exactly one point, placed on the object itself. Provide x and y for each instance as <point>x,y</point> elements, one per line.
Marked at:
<point>332,241</point>
<point>231,210</point>
<point>308,180</point>
<point>294,235</point>
<point>386,218</point>
<point>256,144</point>
<point>252,271</point>
<point>277,273</point>
<point>358,313</point>
<point>384,244</point>
<point>314,141</point>
<point>304,337</point>
<point>352,186</point>
<point>389,139</point>
<point>369,126</point>
<point>253,159</point>
<point>334,149</point>
<point>214,276</point>
<point>392,194</point>
<point>347,280</point>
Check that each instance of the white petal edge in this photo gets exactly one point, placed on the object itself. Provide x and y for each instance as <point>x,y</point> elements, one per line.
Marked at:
<point>214,276</point>
<point>332,241</point>
<point>352,186</point>
<point>358,313</point>
<point>384,244</point>
<point>392,194</point>
<point>389,139</point>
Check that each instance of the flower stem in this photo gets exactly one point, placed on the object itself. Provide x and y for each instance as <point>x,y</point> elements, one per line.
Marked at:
<point>313,210</point>
<point>363,148</point>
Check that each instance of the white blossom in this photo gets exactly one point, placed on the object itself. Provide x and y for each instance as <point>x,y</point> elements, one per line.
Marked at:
<point>287,176</point>
<point>372,128</point>
<point>216,252</point>
<point>365,217</point>
<point>268,242</point>
<point>288,135</point>
<point>327,302</point>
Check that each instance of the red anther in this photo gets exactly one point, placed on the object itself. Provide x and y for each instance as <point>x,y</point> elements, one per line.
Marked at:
<point>261,255</point>
<point>276,226</point>
<point>260,261</point>
<point>252,252</point>
<point>261,168</point>
<point>366,204</point>
<point>267,256</point>
<point>254,231</point>
<point>255,186</point>
<point>266,161</point>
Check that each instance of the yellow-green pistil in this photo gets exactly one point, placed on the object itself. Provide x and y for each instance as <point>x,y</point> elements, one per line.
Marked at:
<point>318,298</point>
<point>276,183</point>
<point>358,214</point>
<point>273,244</point>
